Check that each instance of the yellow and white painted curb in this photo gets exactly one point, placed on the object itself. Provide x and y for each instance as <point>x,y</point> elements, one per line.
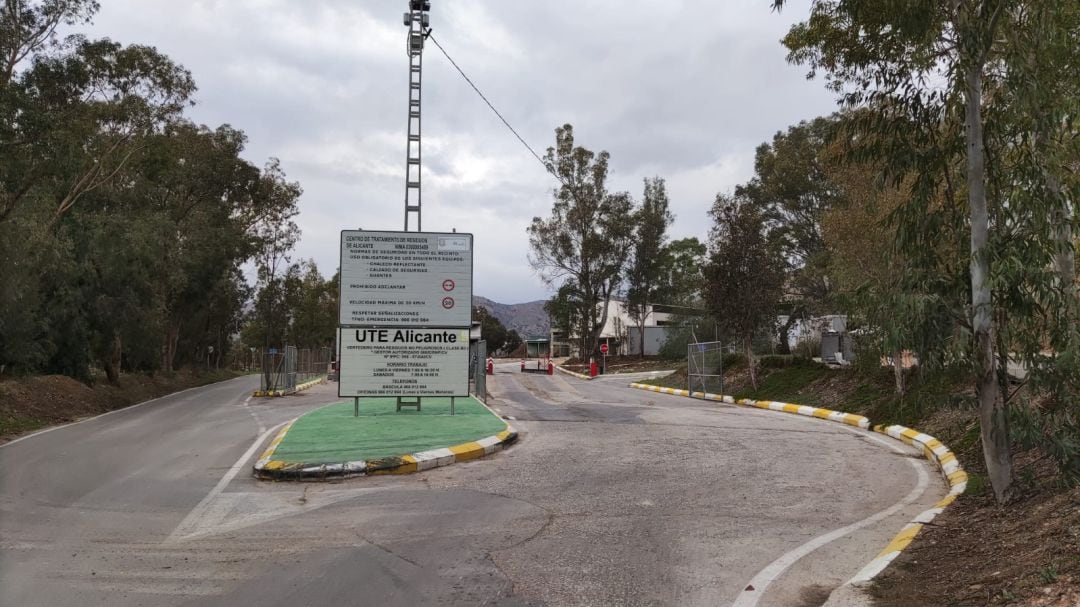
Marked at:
<point>574,373</point>
<point>932,448</point>
<point>299,387</point>
<point>946,462</point>
<point>274,469</point>
<point>835,416</point>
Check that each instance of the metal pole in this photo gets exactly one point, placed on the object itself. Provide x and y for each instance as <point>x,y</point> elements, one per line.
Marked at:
<point>720,347</point>
<point>417,20</point>
<point>356,406</point>
<point>689,368</point>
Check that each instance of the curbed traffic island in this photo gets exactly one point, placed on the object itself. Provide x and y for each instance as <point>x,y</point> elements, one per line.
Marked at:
<point>574,373</point>
<point>331,443</point>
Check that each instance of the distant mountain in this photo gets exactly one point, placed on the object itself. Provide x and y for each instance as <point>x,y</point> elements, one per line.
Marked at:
<point>528,319</point>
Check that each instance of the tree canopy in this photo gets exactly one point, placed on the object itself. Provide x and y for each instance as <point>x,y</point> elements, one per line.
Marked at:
<point>124,227</point>
<point>583,247</point>
<point>971,104</point>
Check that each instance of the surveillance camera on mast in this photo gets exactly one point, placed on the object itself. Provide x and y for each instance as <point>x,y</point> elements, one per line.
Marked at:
<point>417,5</point>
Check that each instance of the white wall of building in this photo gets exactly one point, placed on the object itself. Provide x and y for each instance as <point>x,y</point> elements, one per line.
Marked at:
<point>616,328</point>
<point>655,338</point>
<point>810,330</point>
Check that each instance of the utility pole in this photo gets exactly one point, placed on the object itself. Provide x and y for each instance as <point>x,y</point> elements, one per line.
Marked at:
<point>416,19</point>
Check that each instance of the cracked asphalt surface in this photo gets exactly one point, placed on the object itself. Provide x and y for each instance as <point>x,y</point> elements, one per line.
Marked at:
<point>612,496</point>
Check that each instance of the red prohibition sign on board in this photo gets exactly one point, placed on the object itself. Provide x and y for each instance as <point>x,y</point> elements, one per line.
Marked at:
<point>603,348</point>
<point>448,285</point>
<point>448,302</point>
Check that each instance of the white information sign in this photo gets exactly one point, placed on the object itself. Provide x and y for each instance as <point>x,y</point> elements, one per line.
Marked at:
<point>404,362</point>
<point>412,279</point>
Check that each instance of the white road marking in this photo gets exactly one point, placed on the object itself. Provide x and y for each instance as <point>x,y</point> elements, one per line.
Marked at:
<point>121,410</point>
<point>192,519</point>
<point>768,575</point>
<point>254,415</point>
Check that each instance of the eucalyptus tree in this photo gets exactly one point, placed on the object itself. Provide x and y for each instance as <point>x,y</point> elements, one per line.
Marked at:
<point>952,88</point>
<point>644,275</point>
<point>587,239</point>
<point>681,278</point>
<point>123,226</point>
<point>744,277</point>
<point>77,118</point>
<point>312,304</point>
<point>31,28</point>
<point>793,191</point>
<point>274,235</point>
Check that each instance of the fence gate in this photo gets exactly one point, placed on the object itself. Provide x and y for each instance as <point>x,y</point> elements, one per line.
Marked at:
<point>283,369</point>
<point>278,369</point>
<point>478,369</point>
<point>705,368</point>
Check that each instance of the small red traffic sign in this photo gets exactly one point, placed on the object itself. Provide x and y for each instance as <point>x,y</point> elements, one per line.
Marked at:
<point>603,348</point>
<point>448,302</point>
<point>448,285</point>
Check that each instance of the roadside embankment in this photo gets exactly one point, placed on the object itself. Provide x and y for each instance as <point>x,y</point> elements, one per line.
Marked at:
<point>32,403</point>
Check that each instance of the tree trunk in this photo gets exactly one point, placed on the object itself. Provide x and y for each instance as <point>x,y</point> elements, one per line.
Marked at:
<point>168,347</point>
<point>112,364</point>
<point>898,371</point>
<point>1062,215</point>
<point>785,331</point>
<point>641,337</point>
<point>993,421</point>
<point>1065,256</point>
<point>598,329</point>
<point>747,345</point>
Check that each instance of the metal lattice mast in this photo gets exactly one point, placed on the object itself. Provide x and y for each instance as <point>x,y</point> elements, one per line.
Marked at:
<point>417,21</point>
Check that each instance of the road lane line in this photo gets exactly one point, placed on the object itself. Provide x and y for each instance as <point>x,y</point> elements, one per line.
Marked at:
<point>254,415</point>
<point>120,410</point>
<point>772,571</point>
<point>196,512</point>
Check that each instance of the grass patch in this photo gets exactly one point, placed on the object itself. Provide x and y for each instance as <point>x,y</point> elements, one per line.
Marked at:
<point>10,425</point>
<point>332,435</point>
<point>787,383</point>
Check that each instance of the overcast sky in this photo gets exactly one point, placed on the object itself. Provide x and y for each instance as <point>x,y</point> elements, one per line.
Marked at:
<point>682,90</point>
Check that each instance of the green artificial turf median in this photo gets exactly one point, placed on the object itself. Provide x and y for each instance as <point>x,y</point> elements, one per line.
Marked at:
<point>332,435</point>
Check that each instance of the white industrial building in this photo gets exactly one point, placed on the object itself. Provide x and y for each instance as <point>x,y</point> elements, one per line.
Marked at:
<point>618,328</point>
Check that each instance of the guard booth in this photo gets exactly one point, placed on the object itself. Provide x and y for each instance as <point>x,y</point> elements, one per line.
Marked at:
<point>537,356</point>
<point>478,369</point>
<point>537,347</point>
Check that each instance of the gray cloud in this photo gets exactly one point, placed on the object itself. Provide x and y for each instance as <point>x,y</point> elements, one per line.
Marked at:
<point>683,90</point>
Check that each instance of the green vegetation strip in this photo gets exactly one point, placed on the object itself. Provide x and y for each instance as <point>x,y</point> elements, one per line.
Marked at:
<point>332,435</point>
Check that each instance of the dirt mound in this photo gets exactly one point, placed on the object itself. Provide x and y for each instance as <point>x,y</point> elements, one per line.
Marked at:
<point>976,553</point>
<point>35,402</point>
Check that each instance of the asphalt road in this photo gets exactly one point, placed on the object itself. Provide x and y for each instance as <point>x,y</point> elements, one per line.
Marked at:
<point>612,496</point>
